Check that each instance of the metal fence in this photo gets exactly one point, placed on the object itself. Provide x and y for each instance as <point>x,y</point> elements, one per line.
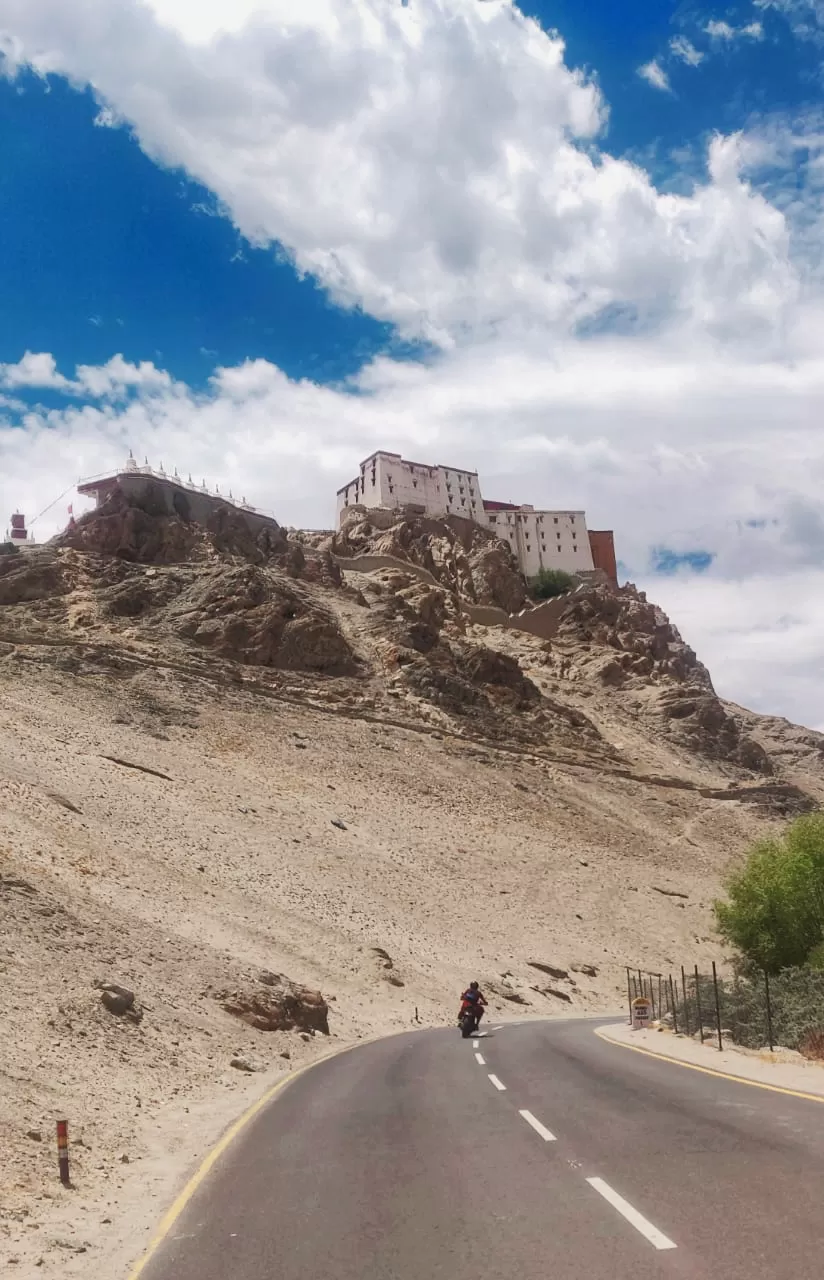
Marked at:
<point>751,1008</point>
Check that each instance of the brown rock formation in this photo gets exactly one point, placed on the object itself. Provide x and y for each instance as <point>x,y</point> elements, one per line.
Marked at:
<point>462,556</point>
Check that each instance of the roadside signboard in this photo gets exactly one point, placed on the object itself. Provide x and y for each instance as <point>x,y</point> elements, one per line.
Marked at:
<point>641,1012</point>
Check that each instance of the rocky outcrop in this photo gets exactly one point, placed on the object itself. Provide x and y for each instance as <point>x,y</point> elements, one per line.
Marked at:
<point>465,558</point>
<point>630,644</point>
<point>275,1003</point>
<point>253,615</point>
<point>30,577</point>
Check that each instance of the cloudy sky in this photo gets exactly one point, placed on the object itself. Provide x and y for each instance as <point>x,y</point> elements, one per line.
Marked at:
<point>576,246</point>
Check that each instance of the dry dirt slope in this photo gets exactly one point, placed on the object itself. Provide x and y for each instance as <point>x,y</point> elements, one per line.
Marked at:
<point>324,826</point>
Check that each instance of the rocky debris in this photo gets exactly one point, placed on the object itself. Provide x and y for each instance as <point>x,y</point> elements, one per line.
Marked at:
<point>242,1064</point>
<point>557,994</point>
<point>120,1001</point>
<point>341,826</point>
<point>588,970</point>
<point>668,893</point>
<point>549,969</point>
<point>394,980</point>
<point>141,768</point>
<point>13,884</point>
<point>282,1006</point>
<point>384,956</point>
<point>64,802</point>
<point>779,797</point>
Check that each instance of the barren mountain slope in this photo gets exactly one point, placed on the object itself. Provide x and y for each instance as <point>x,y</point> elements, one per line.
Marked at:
<point>222,761</point>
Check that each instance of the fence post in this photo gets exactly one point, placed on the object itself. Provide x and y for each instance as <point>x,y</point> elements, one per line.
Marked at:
<point>660,997</point>
<point>698,1006</point>
<point>674,1010</point>
<point>652,998</point>
<point>63,1151</point>
<point>769,1011</point>
<point>717,1007</point>
<point>686,1006</point>
<point>629,996</point>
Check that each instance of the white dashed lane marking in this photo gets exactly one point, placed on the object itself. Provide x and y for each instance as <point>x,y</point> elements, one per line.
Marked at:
<point>656,1238</point>
<point>497,1084</point>
<point>479,1058</point>
<point>476,1044</point>
<point>537,1126</point>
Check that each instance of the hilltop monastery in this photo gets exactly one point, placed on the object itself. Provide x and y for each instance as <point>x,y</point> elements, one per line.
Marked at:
<point>538,539</point>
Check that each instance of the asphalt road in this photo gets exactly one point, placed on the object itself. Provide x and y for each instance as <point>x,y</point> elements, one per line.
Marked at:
<point>404,1160</point>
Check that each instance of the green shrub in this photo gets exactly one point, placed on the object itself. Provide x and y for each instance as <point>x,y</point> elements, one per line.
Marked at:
<point>774,914</point>
<point>551,582</point>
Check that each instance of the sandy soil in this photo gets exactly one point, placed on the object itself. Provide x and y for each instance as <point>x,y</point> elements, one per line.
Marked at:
<point>177,887</point>
<point>175,833</point>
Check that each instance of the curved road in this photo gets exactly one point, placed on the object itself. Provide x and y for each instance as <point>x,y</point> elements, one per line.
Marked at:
<point>406,1160</point>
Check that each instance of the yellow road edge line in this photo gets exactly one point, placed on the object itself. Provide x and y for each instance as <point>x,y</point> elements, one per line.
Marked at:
<point>709,1071</point>
<point>204,1169</point>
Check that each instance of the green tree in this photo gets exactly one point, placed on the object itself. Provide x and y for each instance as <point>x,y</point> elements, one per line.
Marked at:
<point>774,913</point>
<point>551,582</point>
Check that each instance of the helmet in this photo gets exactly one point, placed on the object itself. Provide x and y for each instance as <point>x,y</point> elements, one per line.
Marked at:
<point>473,986</point>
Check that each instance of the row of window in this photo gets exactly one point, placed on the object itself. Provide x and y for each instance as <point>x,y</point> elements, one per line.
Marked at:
<point>523,519</point>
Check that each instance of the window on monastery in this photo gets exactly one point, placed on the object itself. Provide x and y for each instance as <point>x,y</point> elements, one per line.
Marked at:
<point>493,519</point>
<point>391,488</point>
<point>463,502</point>
<point>414,484</point>
<point>555,518</point>
<point>572,519</point>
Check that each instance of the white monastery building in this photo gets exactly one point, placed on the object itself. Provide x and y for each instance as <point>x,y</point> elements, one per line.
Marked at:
<point>538,539</point>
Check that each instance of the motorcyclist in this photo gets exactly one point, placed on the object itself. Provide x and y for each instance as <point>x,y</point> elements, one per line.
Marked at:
<point>473,998</point>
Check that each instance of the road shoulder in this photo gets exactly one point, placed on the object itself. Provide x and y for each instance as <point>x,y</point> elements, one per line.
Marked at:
<point>800,1079</point>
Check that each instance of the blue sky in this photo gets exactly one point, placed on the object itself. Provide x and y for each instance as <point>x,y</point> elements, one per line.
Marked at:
<point>105,251</point>
<point>260,238</point>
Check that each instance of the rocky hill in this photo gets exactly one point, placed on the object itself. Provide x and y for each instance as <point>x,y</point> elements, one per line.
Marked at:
<point>254,803</point>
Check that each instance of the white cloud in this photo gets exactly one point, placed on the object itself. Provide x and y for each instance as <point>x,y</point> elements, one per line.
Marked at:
<point>655,75</point>
<point>433,163</point>
<point>440,165</point>
<point>34,369</point>
<point>113,380</point>
<point>686,51</point>
<point>720,30</point>
<point>117,376</point>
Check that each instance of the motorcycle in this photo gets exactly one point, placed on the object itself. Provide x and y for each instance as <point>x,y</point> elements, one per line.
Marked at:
<point>469,1021</point>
